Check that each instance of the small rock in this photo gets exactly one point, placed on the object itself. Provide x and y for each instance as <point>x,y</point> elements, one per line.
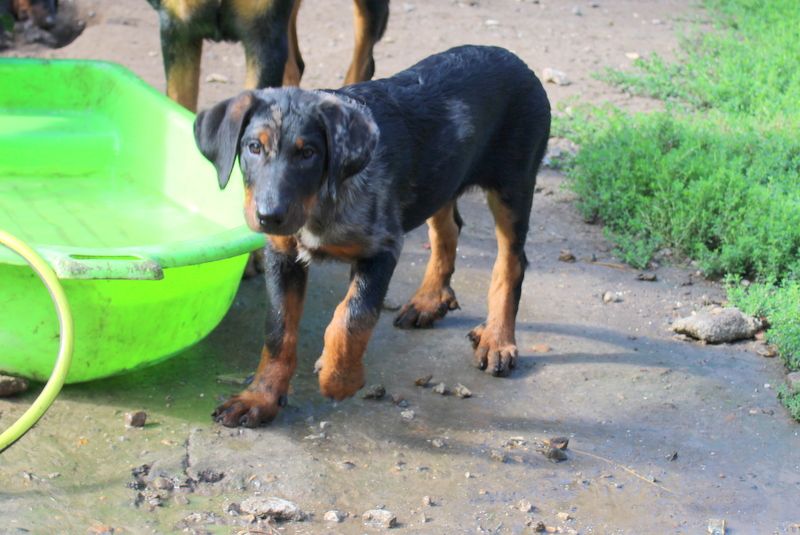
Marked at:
<point>566,256</point>
<point>408,8</point>
<point>162,483</point>
<point>554,454</point>
<point>492,22</point>
<point>540,527</point>
<point>210,476</point>
<point>564,516</point>
<point>498,456</point>
<point>407,414</point>
<point>216,78</point>
<point>135,419</point>
<point>347,465</point>
<point>180,499</point>
<point>275,508</point>
<point>541,348</point>
<point>375,392</point>
<point>577,11</point>
<point>554,76</point>
<point>768,351</point>
<point>632,55</point>
<point>793,381</point>
<point>438,443</point>
<point>423,519</point>
<point>391,304</point>
<point>462,391</point>
<point>379,518</point>
<point>612,297</point>
<point>525,506</point>
<point>515,442</point>
<point>427,501</point>
<point>647,277</point>
<point>11,386</point>
<point>399,400</point>
<point>441,388</point>
<point>558,442</point>
<point>469,475</point>
<point>323,425</point>
<point>717,325</point>
<point>423,381</point>
<point>333,516</point>
<point>716,526</point>
<point>672,456</point>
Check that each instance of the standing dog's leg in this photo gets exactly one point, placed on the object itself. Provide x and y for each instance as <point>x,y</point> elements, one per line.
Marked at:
<point>286,285</point>
<point>494,342</point>
<point>369,23</point>
<point>294,63</point>
<point>182,65</point>
<point>341,372</point>
<point>435,297</point>
<point>266,42</point>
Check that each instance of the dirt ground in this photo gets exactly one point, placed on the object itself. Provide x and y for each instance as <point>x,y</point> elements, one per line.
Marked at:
<point>664,434</point>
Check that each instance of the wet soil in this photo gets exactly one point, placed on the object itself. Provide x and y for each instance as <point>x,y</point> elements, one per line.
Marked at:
<point>663,434</point>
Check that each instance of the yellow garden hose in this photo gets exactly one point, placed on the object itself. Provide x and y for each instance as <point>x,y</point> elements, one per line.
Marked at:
<point>56,381</point>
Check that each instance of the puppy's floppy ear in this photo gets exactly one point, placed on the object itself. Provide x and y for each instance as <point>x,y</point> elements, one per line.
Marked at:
<point>351,136</point>
<point>218,130</point>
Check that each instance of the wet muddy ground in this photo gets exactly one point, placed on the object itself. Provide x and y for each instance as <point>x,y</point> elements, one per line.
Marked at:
<point>663,434</point>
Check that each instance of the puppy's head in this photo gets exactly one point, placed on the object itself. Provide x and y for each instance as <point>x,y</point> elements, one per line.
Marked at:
<point>295,148</point>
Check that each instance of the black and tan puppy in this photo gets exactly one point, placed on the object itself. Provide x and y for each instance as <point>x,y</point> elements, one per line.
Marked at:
<point>268,31</point>
<point>345,174</point>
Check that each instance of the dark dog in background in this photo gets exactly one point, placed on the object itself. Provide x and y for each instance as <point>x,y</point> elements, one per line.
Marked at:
<point>268,31</point>
<point>345,174</point>
<point>41,12</point>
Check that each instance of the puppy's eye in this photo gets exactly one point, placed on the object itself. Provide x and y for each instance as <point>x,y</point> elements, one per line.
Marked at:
<point>307,152</point>
<point>254,147</point>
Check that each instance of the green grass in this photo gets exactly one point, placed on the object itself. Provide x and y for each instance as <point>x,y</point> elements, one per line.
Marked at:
<point>716,176</point>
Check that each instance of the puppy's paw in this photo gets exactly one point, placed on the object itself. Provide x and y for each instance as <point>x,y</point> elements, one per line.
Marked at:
<point>340,382</point>
<point>250,408</point>
<point>425,308</point>
<point>492,352</point>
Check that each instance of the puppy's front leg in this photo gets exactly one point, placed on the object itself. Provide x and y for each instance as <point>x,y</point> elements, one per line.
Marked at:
<point>286,285</point>
<point>341,372</point>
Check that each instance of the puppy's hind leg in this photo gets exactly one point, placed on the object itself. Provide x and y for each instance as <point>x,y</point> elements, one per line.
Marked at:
<point>434,298</point>
<point>494,341</point>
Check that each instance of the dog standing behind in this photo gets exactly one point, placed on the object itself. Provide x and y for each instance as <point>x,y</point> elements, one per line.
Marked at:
<point>345,174</point>
<point>268,31</point>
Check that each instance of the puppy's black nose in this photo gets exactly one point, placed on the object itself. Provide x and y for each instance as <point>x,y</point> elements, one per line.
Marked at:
<point>273,218</point>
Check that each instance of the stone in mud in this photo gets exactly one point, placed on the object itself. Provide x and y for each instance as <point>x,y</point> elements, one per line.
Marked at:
<point>498,456</point>
<point>462,391</point>
<point>441,388</point>
<point>716,526</point>
<point>566,256</point>
<point>210,476</point>
<point>525,506</point>
<point>135,419</point>
<point>275,508</point>
<point>424,380</point>
<point>647,277</point>
<point>162,483</point>
<point>407,414</point>
<point>558,442</point>
<point>555,76</point>
<point>554,454</point>
<point>333,516</point>
<point>11,386</point>
<point>564,516</point>
<point>379,518</point>
<point>717,325</point>
<point>374,392</point>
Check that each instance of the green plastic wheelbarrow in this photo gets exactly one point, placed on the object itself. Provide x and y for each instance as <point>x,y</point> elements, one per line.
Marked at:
<point>100,174</point>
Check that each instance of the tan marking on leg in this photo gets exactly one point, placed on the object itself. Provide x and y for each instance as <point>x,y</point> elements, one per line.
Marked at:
<point>261,401</point>
<point>435,297</point>
<point>341,372</point>
<point>291,72</point>
<point>344,252</point>
<point>364,44</point>
<point>183,77</point>
<point>494,342</point>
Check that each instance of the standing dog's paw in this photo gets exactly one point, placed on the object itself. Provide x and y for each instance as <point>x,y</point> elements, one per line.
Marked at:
<point>339,383</point>
<point>425,308</point>
<point>492,354</point>
<point>249,408</point>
